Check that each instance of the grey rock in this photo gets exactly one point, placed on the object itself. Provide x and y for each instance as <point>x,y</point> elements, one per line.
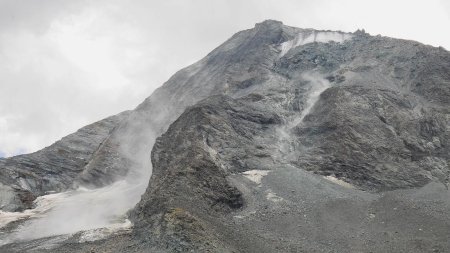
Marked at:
<point>54,168</point>
<point>374,128</point>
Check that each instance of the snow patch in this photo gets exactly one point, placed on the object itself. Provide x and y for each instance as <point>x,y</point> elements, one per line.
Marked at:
<point>255,175</point>
<point>339,182</point>
<point>101,233</point>
<point>273,197</point>
<point>314,36</point>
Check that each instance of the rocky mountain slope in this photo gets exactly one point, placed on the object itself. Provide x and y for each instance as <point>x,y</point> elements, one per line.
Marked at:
<point>55,168</point>
<point>280,140</point>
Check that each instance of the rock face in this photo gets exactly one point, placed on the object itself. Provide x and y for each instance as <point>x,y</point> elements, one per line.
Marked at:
<point>380,124</point>
<point>281,140</point>
<point>55,168</point>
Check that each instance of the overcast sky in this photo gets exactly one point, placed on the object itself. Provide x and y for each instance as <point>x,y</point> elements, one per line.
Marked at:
<point>65,64</point>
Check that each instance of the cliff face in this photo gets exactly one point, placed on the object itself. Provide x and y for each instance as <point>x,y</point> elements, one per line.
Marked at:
<point>368,114</point>
<point>281,140</point>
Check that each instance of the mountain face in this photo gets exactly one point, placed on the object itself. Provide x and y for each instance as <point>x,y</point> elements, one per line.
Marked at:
<point>280,140</point>
<point>55,168</point>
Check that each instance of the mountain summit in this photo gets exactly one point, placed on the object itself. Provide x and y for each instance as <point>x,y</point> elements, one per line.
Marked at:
<point>281,139</point>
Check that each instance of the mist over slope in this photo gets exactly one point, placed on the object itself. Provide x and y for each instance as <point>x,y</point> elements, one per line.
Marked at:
<point>280,140</point>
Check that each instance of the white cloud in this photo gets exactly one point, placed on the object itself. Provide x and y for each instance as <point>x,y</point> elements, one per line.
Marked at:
<point>64,64</point>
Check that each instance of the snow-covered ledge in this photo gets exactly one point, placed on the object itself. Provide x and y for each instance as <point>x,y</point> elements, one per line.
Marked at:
<point>313,36</point>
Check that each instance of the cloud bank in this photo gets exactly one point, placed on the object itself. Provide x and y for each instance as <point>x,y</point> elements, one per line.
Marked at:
<point>64,64</point>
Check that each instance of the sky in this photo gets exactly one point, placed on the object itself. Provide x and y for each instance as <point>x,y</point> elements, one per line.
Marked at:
<point>67,63</point>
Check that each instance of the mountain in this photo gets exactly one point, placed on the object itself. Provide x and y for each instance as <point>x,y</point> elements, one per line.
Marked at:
<point>280,140</point>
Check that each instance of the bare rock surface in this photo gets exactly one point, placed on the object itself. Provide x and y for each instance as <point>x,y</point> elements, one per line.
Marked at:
<point>54,168</point>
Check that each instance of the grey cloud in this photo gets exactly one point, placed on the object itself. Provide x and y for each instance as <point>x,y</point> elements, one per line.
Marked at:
<point>47,92</point>
<point>35,16</point>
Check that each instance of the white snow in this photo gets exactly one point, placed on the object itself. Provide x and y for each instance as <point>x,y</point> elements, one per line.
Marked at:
<point>339,182</point>
<point>255,175</point>
<point>315,36</point>
<point>101,233</point>
<point>273,197</point>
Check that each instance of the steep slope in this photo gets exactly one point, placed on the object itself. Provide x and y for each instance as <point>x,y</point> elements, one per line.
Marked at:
<point>125,154</point>
<point>287,140</point>
<point>380,124</point>
<point>55,168</point>
<point>220,184</point>
<point>125,151</point>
